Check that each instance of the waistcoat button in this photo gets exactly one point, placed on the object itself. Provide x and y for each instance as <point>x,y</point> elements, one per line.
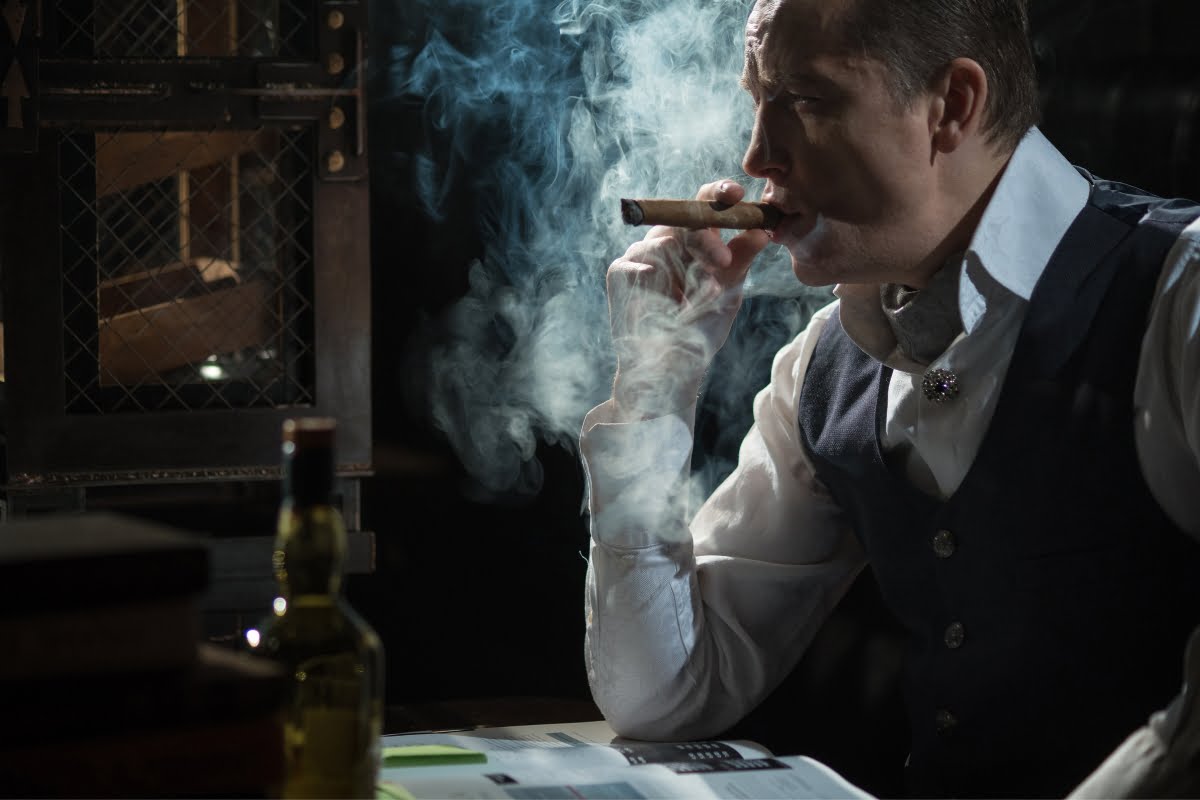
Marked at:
<point>944,544</point>
<point>955,635</point>
<point>944,721</point>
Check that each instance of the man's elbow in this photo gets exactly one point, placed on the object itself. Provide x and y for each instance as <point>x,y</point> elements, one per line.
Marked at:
<point>637,726</point>
<point>650,719</point>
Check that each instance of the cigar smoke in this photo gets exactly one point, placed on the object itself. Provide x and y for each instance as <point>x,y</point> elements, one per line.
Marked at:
<point>544,116</point>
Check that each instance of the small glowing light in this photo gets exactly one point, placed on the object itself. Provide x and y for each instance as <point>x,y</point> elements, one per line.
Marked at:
<point>253,637</point>
<point>212,372</point>
<point>280,606</point>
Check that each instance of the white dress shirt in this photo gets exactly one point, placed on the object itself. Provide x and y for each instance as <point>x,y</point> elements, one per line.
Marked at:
<point>689,626</point>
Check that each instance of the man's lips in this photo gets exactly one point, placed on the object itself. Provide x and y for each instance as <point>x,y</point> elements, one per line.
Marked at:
<point>787,209</point>
<point>794,224</point>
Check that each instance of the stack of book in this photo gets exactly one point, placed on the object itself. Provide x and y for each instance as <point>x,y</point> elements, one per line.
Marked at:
<point>105,686</point>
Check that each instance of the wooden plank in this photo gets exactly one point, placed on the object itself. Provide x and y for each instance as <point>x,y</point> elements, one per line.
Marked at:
<point>127,160</point>
<point>163,284</point>
<point>141,345</point>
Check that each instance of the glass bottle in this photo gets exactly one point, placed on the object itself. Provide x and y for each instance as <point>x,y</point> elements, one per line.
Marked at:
<point>334,717</point>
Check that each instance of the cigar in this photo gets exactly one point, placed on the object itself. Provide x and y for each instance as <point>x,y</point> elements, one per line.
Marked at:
<point>697,214</point>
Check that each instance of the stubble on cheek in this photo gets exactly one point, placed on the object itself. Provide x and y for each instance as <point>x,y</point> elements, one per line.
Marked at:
<point>812,250</point>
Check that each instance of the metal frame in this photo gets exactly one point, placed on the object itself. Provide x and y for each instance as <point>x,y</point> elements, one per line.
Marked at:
<point>49,447</point>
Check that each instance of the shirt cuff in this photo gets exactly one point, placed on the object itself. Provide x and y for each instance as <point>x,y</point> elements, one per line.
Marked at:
<point>637,476</point>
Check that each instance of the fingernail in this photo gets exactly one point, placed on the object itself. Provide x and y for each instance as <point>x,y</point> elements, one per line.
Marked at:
<point>724,186</point>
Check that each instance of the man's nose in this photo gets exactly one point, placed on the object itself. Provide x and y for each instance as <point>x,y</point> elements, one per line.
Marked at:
<point>766,156</point>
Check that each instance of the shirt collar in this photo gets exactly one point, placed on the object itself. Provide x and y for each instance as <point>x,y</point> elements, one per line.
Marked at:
<point>1035,201</point>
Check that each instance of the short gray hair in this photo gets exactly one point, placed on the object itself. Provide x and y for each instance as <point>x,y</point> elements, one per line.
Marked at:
<point>917,39</point>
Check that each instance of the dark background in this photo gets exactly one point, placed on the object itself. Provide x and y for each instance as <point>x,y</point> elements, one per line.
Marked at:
<point>483,598</point>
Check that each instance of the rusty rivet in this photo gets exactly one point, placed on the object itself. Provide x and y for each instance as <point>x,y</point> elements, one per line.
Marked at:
<point>335,63</point>
<point>335,20</point>
<point>337,118</point>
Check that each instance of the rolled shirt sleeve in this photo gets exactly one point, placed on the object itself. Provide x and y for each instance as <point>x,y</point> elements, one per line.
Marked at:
<point>690,626</point>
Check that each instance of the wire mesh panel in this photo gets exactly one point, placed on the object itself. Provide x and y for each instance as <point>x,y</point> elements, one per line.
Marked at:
<point>187,270</point>
<point>192,240</point>
<point>167,28</point>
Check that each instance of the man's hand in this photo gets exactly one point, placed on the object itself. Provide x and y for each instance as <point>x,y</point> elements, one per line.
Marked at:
<point>671,301</point>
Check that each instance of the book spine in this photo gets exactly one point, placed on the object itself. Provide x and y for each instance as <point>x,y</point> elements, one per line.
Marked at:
<point>144,636</point>
<point>238,758</point>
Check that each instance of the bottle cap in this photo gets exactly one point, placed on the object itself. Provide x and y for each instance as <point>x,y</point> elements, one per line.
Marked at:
<point>310,431</point>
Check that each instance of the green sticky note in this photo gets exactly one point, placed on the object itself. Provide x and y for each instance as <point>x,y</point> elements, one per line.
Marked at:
<point>428,755</point>
<point>392,791</point>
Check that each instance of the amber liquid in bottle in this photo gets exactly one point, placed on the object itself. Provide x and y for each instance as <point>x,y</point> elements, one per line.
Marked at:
<point>334,716</point>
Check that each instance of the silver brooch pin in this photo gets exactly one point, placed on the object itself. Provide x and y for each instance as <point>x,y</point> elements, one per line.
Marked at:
<point>940,385</point>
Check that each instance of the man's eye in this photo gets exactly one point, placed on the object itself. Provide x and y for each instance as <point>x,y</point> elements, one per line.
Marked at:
<point>794,100</point>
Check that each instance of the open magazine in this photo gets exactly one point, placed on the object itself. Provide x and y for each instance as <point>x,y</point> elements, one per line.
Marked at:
<point>586,760</point>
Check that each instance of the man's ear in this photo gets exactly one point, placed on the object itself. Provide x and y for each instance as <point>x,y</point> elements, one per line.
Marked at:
<point>957,110</point>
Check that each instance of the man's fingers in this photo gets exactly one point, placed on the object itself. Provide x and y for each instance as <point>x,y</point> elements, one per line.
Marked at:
<point>672,261</point>
<point>707,247</point>
<point>682,259</point>
<point>723,191</point>
<point>745,247</point>
<point>653,251</point>
<point>627,277</point>
<point>667,253</point>
<point>658,267</point>
<point>660,232</point>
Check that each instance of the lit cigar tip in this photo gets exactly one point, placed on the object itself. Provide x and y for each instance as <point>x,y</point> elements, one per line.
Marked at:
<point>631,212</point>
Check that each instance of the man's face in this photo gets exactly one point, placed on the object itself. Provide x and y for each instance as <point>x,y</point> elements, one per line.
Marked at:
<point>848,164</point>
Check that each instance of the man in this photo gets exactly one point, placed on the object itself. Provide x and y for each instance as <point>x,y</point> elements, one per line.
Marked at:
<point>1000,414</point>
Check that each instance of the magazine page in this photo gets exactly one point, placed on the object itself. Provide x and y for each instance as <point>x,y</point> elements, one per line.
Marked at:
<point>587,760</point>
<point>579,744</point>
<point>789,777</point>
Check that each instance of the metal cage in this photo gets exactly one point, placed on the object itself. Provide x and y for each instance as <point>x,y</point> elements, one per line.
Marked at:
<point>185,236</point>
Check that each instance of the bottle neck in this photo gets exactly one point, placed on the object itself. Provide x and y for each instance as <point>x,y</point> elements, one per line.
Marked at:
<point>308,477</point>
<point>310,551</point>
<point>310,547</point>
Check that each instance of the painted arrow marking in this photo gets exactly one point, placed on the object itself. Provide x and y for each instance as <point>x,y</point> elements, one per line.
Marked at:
<point>14,15</point>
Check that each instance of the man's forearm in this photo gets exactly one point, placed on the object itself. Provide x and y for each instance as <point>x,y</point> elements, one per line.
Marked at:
<point>650,667</point>
<point>639,640</point>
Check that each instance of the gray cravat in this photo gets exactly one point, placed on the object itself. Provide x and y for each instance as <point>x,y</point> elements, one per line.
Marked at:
<point>924,321</point>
